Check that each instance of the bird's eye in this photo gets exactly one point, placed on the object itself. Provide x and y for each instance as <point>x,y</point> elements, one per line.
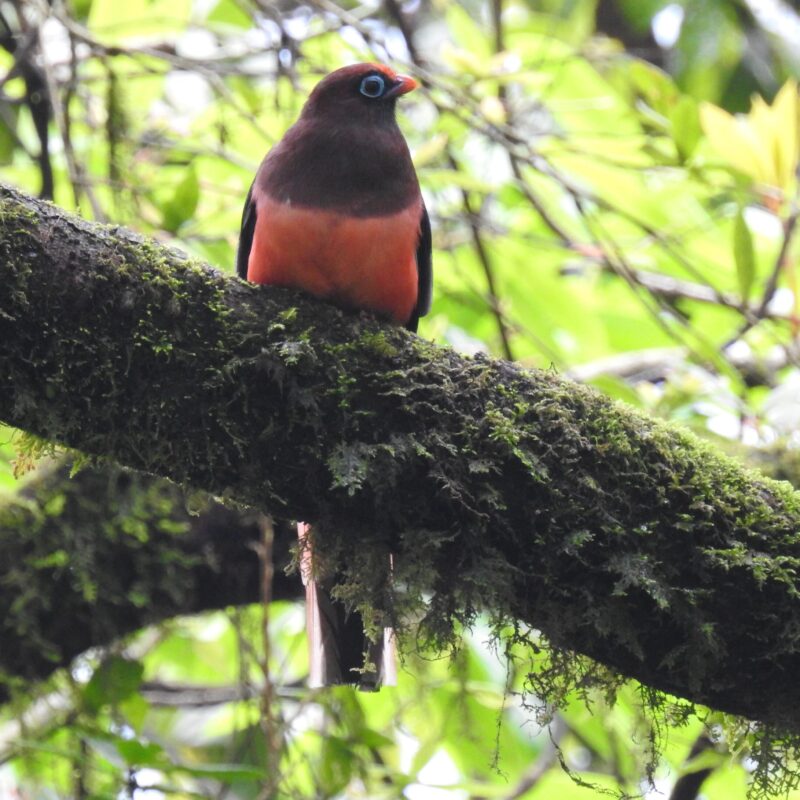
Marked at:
<point>372,86</point>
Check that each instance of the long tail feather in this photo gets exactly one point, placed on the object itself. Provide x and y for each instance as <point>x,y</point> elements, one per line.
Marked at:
<point>337,644</point>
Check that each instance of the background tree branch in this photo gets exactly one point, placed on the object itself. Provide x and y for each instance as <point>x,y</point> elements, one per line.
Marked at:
<point>91,558</point>
<point>521,492</point>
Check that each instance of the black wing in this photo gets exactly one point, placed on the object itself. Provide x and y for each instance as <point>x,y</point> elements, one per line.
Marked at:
<point>246,235</point>
<point>424,271</point>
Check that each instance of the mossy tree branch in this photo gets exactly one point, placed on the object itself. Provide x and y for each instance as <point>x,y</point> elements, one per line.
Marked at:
<point>519,491</point>
<point>90,558</point>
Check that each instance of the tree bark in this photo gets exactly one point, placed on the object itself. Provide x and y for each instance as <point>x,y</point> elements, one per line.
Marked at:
<point>497,488</point>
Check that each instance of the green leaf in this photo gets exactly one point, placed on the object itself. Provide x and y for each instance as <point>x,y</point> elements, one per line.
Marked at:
<point>337,765</point>
<point>113,681</point>
<point>744,255</point>
<point>141,754</point>
<point>373,739</point>
<point>686,128</point>
<point>471,37</point>
<point>227,12</point>
<point>81,9</point>
<point>135,708</point>
<point>181,206</point>
<point>132,19</point>
<point>8,140</point>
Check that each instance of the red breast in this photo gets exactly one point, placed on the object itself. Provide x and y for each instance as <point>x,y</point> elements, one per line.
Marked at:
<point>356,262</point>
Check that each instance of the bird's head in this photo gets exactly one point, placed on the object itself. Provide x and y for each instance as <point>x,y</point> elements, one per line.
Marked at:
<point>359,92</point>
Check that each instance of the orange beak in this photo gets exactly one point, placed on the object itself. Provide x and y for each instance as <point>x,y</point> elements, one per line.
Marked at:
<point>402,84</point>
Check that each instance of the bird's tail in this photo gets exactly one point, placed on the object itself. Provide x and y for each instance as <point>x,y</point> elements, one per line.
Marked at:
<point>339,650</point>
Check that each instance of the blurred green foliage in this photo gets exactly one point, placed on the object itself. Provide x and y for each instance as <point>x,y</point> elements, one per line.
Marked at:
<point>607,196</point>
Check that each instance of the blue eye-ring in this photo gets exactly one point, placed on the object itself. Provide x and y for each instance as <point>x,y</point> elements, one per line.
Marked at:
<point>372,86</point>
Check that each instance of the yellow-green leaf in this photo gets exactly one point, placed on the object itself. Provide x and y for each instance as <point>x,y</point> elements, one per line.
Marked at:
<point>786,114</point>
<point>744,255</point>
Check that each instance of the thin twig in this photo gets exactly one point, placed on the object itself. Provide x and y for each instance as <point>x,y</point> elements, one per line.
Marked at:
<point>760,313</point>
<point>270,717</point>
<point>404,25</point>
<point>36,97</point>
<point>473,220</point>
<point>546,760</point>
<point>781,260</point>
<point>62,121</point>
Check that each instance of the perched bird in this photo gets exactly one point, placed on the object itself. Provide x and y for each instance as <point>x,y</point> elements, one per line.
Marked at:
<point>335,209</point>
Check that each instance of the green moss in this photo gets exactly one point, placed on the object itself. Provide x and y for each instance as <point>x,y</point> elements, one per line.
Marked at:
<point>378,343</point>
